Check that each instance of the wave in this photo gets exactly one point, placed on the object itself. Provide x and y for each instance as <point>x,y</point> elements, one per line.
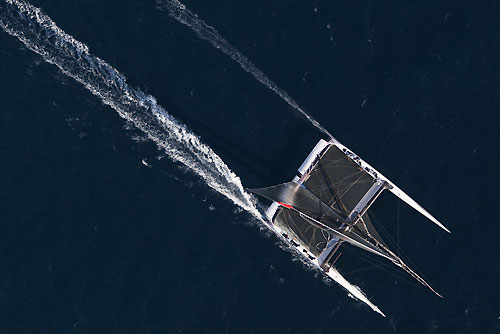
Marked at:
<point>41,35</point>
<point>179,11</point>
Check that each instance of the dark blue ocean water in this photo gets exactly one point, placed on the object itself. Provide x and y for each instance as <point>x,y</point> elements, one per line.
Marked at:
<point>94,241</point>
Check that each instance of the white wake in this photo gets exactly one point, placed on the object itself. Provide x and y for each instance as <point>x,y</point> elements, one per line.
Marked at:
<point>179,11</point>
<point>40,34</point>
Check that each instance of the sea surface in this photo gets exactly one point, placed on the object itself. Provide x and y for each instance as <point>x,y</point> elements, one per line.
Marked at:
<point>113,222</point>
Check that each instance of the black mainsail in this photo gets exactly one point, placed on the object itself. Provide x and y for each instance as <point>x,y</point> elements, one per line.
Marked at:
<point>296,195</point>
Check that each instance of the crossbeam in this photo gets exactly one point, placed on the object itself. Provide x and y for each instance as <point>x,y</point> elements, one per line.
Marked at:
<point>366,201</point>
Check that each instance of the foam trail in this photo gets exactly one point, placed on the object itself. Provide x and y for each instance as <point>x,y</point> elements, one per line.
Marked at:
<point>179,11</point>
<point>40,34</point>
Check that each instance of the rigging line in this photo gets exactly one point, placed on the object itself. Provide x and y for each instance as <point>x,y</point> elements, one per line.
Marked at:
<point>343,164</point>
<point>178,11</point>
<point>315,162</point>
<point>330,187</point>
<point>410,262</point>
<point>300,233</point>
<point>382,230</point>
<point>399,262</point>
<point>388,269</point>
<point>416,269</point>
<point>361,220</point>
<point>388,266</point>
<point>368,247</point>
<point>406,257</point>
<point>347,165</point>
<point>350,185</point>
<point>386,235</point>
<point>384,267</point>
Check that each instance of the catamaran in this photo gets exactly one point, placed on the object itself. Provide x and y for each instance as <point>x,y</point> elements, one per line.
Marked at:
<point>326,204</point>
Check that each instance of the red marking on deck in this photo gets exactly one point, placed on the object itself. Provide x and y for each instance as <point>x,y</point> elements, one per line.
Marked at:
<point>285,205</point>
